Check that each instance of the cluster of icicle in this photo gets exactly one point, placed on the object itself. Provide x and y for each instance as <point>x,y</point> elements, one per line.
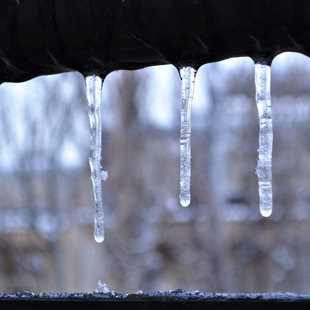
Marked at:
<point>264,163</point>
<point>188,74</point>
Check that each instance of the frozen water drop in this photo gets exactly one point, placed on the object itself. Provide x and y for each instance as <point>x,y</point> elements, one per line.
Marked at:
<point>265,212</point>
<point>104,175</point>
<point>99,238</point>
<point>184,202</point>
<point>264,163</point>
<point>188,75</point>
<point>93,92</point>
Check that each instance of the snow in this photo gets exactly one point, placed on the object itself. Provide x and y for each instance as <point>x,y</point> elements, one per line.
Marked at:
<point>188,82</point>
<point>103,287</point>
<point>264,164</point>
<point>162,297</point>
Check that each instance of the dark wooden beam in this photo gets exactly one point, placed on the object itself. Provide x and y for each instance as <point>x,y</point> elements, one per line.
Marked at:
<point>99,36</point>
<point>176,300</point>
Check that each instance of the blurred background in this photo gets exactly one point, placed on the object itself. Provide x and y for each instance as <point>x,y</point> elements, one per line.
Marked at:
<point>220,243</point>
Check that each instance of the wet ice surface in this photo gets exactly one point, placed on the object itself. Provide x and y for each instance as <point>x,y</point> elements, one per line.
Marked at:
<point>188,82</point>
<point>165,296</point>
<point>93,92</point>
<point>264,163</point>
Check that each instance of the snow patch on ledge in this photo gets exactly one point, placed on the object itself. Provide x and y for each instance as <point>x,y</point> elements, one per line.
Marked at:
<point>167,296</point>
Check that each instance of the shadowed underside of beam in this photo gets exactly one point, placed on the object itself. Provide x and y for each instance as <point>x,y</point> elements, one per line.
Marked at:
<point>39,37</point>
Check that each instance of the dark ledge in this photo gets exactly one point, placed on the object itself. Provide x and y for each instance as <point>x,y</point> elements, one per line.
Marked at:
<point>40,37</point>
<point>160,300</point>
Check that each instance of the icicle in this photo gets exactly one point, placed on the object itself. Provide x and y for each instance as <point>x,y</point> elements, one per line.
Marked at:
<point>264,163</point>
<point>188,75</point>
<point>93,91</point>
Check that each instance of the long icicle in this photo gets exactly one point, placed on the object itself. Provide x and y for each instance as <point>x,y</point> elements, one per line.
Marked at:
<point>264,163</point>
<point>93,91</point>
<point>188,75</point>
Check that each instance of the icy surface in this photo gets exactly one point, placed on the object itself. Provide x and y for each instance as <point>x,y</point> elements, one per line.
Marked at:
<point>93,91</point>
<point>188,81</point>
<point>264,163</point>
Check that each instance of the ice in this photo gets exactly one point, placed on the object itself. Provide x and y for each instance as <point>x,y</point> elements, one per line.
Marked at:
<point>93,91</point>
<point>264,163</point>
<point>188,75</point>
<point>104,175</point>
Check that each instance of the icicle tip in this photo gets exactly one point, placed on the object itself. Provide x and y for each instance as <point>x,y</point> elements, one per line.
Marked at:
<point>265,212</point>
<point>99,239</point>
<point>185,203</point>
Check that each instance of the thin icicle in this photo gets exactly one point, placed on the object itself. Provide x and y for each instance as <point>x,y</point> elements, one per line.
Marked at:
<point>264,163</point>
<point>188,75</point>
<point>93,91</point>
